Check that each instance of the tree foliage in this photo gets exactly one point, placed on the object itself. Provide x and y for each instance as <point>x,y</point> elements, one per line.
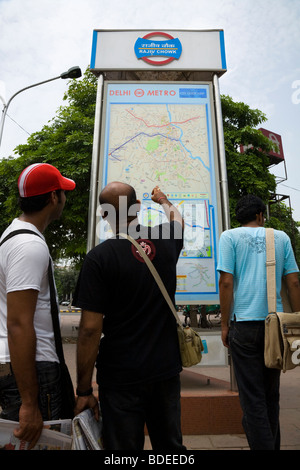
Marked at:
<point>247,172</point>
<point>281,218</point>
<point>66,142</point>
<point>65,280</point>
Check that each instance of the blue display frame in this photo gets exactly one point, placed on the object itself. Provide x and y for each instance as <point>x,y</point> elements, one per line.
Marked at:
<point>180,93</point>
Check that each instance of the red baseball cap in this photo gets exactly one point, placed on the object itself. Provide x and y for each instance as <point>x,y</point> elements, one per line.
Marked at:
<point>41,178</point>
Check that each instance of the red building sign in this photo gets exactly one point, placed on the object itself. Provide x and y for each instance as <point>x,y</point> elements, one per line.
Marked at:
<point>277,155</point>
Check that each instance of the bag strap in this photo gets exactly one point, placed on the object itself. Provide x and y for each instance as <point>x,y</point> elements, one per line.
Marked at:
<point>271,271</point>
<point>53,302</point>
<point>55,316</point>
<point>17,232</point>
<point>155,275</point>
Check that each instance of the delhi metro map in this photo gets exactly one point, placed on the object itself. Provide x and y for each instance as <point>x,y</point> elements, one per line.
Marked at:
<point>161,134</point>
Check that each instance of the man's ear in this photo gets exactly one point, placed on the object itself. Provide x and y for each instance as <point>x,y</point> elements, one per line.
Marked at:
<point>53,196</point>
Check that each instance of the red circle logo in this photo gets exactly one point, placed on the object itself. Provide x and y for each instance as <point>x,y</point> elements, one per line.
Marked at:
<point>139,92</point>
<point>161,48</point>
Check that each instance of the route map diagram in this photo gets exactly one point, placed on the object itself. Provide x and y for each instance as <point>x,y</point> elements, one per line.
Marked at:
<point>160,144</point>
<point>163,137</point>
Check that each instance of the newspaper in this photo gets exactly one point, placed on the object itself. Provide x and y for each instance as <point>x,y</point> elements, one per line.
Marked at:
<point>56,435</point>
<point>87,431</point>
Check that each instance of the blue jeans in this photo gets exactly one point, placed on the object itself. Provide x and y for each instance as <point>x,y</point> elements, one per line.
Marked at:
<point>48,374</point>
<point>258,386</point>
<point>125,413</point>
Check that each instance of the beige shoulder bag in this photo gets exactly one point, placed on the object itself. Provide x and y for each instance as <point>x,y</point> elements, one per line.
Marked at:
<point>282,330</point>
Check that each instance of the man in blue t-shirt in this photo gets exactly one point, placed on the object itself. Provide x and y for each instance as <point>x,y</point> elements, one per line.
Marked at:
<point>138,362</point>
<point>244,307</point>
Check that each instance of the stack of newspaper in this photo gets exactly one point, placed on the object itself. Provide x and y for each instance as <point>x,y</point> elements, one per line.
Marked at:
<point>56,435</point>
<point>81,433</point>
<point>87,432</point>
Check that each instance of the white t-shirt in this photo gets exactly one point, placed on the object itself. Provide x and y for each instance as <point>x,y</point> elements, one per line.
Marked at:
<point>24,261</point>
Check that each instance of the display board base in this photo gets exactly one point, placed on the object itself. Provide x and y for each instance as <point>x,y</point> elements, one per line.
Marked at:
<point>208,406</point>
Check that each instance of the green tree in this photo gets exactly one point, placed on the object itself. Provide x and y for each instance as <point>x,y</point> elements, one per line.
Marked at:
<point>281,218</point>
<point>247,172</point>
<point>66,142</point>
<point>65,280</point>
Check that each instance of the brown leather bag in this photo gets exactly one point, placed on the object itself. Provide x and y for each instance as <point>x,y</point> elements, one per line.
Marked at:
<point>282,329</point>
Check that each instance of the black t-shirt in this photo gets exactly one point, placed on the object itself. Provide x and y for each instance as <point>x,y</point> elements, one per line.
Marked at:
<point>139,342</point>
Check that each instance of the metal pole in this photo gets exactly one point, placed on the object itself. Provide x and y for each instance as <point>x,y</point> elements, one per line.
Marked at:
<point>222,156</point>
<point>73,72</point>
<point>224,187</point>
<point>5,106</point>
<point>95,167</point>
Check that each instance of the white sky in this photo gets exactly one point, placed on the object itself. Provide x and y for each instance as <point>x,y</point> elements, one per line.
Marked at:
<point>40,39</point>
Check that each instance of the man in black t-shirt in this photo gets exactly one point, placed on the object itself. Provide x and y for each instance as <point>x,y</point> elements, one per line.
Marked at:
<point>138,359</point>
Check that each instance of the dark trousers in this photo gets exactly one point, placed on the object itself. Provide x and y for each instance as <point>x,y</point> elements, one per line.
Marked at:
<point>126,412</point>
<point>48,374</point>
<point>258,386</point>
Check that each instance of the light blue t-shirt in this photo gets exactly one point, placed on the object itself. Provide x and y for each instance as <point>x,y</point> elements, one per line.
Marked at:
<point>242,253</point>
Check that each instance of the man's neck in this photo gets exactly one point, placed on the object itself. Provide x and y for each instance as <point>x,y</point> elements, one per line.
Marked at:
<point>36,220</point>
<point>252,224</point>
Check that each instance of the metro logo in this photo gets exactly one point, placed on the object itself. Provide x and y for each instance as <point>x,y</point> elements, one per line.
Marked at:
<point>139,93</point>
<point>151,50</point>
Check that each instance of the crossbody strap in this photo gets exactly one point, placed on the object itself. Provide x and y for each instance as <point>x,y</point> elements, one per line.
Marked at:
<point>155,275</point>
<point>271,270</point>
<point>17,232</point>
<point>55,316</point>
<point>54,307</point>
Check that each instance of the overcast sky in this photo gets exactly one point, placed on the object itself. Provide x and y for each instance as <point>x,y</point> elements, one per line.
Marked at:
<point>40,39</point>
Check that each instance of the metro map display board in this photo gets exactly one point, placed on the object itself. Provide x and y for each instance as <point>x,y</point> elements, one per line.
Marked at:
<point>163,134</point>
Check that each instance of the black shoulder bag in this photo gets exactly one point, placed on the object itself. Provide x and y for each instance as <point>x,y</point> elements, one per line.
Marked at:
<point>67,389</point>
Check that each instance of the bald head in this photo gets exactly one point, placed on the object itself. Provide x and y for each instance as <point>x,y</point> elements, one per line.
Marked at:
<point>113,191</point>
<point>116,199</point>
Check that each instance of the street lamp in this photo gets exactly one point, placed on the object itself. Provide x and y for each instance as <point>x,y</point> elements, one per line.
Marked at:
<point>73,72</point>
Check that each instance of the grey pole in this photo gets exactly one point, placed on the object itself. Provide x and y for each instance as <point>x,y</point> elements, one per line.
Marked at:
<point>222,156</point>
<point>5,106</point>
<point>73,72</point>
<point>224,186</point>
<point>95,167</point>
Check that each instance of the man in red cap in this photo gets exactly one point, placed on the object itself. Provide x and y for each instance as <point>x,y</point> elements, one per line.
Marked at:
<point>29,366</point>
